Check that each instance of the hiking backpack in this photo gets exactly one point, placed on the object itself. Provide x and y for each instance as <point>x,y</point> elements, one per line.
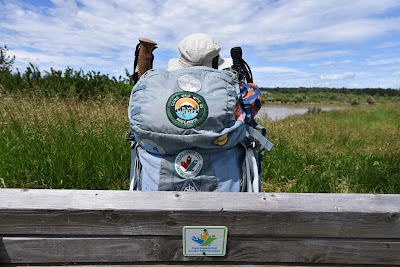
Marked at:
<point>189,132</point>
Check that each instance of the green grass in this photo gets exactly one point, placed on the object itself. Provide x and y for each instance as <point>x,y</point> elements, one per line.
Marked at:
<point>353,150</point>
<point>53,143</point>
<point>66,143</point>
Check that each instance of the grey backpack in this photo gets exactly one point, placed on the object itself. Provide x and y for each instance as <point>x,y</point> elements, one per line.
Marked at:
<point>188,133</point>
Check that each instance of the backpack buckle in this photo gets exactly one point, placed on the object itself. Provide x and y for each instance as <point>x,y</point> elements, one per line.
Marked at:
<point>252,143</point>
<point>130,138</point>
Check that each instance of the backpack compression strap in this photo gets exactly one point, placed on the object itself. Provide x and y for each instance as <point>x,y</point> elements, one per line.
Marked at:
<point>261,138</point>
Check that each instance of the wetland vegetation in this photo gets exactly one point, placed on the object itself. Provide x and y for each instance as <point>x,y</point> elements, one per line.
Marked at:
<point>67,130</point>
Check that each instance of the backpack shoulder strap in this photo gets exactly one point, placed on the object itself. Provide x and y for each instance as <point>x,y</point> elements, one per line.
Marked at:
<point>135,182</point>
<point>251,176</point>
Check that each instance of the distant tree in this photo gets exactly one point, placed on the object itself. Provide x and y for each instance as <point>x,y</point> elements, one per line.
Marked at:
<point>6,62</point>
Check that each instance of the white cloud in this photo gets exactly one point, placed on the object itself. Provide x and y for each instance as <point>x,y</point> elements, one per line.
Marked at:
<point>384,55</point>
<point>347,61</point>
<point>102,35</point>
<point>302,53</point>
<point>327,63</point>
<point>354,30</point>
<point>275,70</point>
<point>387,61</point>
<point>388,44</point>
<point>331,64</point>
<point>342,76</point>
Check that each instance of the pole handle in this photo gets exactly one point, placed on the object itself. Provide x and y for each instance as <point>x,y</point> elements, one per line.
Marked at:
<point>145,57</point>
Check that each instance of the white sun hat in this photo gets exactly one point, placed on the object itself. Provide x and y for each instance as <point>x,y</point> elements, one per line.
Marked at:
<point>199,49</point>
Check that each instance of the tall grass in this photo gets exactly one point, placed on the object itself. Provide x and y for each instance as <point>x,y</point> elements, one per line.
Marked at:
<point>64,143</point>
<point>60,143</point>
<point>353,150</point>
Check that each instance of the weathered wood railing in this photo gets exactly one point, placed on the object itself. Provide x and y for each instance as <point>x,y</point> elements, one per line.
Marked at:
<point>121,227</point>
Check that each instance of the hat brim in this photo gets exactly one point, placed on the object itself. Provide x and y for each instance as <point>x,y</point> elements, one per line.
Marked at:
<point>175,64</point>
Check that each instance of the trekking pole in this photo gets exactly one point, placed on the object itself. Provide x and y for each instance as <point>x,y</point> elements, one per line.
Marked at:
<point>240,66</point>
<point>143,57</point>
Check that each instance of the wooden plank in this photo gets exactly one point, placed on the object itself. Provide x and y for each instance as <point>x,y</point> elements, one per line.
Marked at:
<point>220,264</point>
<point>180,264</point>
<point>76,212</point>
<point>167,250</point>
<point>284,224</point>
<point>168,265</point>
<point>169,201</point>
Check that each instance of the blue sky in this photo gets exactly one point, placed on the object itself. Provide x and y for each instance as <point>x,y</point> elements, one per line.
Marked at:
<point>342,43</point>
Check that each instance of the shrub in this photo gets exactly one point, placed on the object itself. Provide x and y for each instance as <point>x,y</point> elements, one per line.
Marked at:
<point>313,110</point>
<point>370,100</point>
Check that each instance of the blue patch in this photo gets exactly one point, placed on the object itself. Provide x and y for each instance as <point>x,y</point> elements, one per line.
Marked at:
<point>226,170</point>
<point>189,186</point>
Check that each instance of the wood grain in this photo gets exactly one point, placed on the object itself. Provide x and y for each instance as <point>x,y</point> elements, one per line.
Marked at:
<point>156,249</point>
<point>122,227</point>
<point>147,201</point>
<point>68,212</point>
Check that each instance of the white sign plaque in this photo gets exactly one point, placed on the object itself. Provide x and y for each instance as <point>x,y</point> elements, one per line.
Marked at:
<point>204,240</point>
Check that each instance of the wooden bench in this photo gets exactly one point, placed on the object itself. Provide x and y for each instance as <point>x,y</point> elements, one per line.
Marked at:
<point>59,227</point>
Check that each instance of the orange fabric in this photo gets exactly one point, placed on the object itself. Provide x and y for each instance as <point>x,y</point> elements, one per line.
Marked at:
<point>248,93</point>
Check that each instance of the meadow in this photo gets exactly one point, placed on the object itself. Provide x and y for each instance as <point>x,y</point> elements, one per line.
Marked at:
<point>354,150</point>
<point>67,130</point>
<point>63,143</point>
<point>56,142</point>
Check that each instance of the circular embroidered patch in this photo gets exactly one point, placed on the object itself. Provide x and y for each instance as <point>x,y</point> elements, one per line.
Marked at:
<point>188,164</point>
<point>152,147</point>
<point>189,83</point>
<point>186,109</point>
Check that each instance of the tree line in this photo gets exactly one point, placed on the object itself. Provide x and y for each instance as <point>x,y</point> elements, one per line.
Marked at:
<point>361,91</point>
<point>68,83</point>
<point>92,84</point>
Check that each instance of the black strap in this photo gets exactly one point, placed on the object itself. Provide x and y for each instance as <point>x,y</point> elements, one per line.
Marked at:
<point>151,61</point>
<point>215,62</point>
<point>248,73</point>
<point>135,75</point>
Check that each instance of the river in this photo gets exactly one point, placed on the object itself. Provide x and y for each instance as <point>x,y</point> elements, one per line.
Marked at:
<point>281,111</point>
